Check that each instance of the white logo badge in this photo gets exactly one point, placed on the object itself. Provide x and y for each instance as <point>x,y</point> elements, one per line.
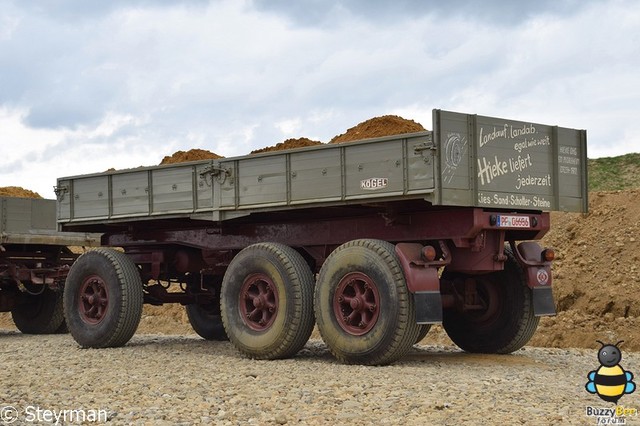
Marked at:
<point>374,183</point>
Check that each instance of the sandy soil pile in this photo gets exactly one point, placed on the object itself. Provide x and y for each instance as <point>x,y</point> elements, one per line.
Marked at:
<point>17,191</point>
<point>385,125</point>
<point>288,144</point>
<point>191,155</point>
<point>376,127</point>
<point>597,273</point>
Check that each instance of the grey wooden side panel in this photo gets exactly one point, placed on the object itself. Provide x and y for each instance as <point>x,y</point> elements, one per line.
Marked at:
<point>33,221</point>
<point>316,175</point>
<point>420,165</point>
<point>16,214</point>
<point>20,215</point>
<point>43,214</point>
<point>3,215</point>
<point>130,193</point>
<point>224,192</point>
<point>509,164</point>
<point>63,200</point>
<point>203,188</point>
<point>173,189</point>
<point>90,197</point>
<point>374,169</point>
<point>455,154</point>
<point>571,163</point>
<point>262,181</point>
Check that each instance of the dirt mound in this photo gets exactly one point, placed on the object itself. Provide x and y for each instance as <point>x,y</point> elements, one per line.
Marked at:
<point>377,127</point>
<point>17,191</point>
<point>596,273</point>
<point>191,155</point>
<point>288,144</point>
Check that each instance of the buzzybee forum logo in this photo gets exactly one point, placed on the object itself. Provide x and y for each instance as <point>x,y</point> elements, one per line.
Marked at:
<point>610,381</point>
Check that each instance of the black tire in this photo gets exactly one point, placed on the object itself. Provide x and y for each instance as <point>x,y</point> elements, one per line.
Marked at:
<point>364,311</point>
<point>63,329</point>
<point>266,301</point>
<point>508,322</point>
<point>103,299</point>
<point>206,321</point>
<point>41,314</point>
<point>424,329</point>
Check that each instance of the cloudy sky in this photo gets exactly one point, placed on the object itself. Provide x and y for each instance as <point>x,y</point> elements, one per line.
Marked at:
<point>89,85</point>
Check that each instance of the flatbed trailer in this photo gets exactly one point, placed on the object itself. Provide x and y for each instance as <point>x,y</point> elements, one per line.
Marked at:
<point>372,240</point>
<point>34,261</point>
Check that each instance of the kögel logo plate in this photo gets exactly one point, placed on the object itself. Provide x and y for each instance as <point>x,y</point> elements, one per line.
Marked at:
<point>374,183</point>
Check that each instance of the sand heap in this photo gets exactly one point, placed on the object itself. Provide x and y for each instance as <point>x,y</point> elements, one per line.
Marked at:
<point>17,191</point>
<point>385,125</point>
<point>376,127</point>
<point>191,155</point>
<point>596,273</point>
<point>288,144</point>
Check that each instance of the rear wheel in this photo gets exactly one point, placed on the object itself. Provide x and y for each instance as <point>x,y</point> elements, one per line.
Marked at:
<point>103,299</point>
<point>39,314</point>
<point>364,311</point>
<point>266,301</point>
<point>506,321</point>
<point>206,321</point>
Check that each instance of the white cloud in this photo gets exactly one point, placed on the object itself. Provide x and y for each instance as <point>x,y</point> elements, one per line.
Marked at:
<point>289,127</point>
<point>124,84</point>
<point>34,158</point>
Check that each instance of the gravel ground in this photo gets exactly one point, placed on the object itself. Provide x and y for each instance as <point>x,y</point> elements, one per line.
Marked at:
<point>160,379</point>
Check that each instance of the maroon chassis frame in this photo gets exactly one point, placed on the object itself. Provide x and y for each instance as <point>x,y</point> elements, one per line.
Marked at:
<point>466,240</point>
<point>28,269</point>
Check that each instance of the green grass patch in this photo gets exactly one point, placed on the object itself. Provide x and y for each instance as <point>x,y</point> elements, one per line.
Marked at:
<point>614,173</point>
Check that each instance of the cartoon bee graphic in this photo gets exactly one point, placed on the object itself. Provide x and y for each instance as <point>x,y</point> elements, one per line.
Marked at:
<point>610,381</point>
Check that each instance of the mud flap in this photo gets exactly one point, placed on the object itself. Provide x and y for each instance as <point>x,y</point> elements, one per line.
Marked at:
<point>543,301</point>
<point>428,306</point>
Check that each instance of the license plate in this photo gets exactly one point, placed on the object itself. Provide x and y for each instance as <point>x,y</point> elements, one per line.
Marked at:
<point>513,221</point>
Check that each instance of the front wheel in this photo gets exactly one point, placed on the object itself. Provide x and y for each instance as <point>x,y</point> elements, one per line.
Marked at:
<point>364,311</point>
<point>103,299</point>
<point>39,314</point>
<point>506,321</point>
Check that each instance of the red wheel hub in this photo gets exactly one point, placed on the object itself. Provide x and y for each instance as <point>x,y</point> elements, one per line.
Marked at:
<point>356,303</point>
<point>94,299</point>
<point>258,301</point>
